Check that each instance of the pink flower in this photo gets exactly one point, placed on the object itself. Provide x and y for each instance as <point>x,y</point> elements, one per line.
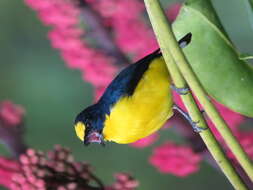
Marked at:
<point>67,39</point>
<point>142,143</point>
<point>10,113</point>
<point>67,36</point>
<point>56,170</point>
<point>123,182</point>
<point>78,59</point>
<point>246,140</point>
<point>7,169</point>
<point>125,18</point>
<point>100,72</point>
<point>232,118</point>
<point>173,11</point>
<point>59,13</point>
<point>38,5</point>
<point>178,160</point>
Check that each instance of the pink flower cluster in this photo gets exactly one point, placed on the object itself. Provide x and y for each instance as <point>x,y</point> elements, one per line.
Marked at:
<point>57,170</point>
<point>246,140</point>
<point>12,127</point>
<point>124,182</point>
<point>66,35</point>
<point>10,113</point>
<point>178,160</point>
<point>132,35</point>
<point>7,168</point>
<point>173,11</point>
<point>232,118</point>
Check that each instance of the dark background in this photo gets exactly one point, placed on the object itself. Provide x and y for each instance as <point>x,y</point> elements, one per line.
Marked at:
<point>33,75</point>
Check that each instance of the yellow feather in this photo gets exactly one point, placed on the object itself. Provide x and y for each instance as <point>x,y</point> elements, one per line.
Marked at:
<point>143,113</point>
<point>80,130</point>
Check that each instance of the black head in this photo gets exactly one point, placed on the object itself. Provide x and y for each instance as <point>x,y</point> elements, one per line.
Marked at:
<point>89,125</point>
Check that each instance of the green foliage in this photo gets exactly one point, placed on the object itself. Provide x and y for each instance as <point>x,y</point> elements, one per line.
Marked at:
<point>249,6</point>
<point>224,74</point>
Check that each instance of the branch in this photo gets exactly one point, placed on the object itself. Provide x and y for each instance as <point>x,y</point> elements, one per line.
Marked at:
<point>12,127</point>
<point>12,137</point>
<point>169,44</point>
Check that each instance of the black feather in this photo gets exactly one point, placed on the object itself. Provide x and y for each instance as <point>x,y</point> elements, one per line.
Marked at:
<point>185,40</point>
<point>127,80</point>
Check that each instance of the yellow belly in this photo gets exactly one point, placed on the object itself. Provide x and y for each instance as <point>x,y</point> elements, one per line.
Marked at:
<point>143,113</point>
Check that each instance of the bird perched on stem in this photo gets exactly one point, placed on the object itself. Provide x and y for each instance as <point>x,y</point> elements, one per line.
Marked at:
<point>136,103</point>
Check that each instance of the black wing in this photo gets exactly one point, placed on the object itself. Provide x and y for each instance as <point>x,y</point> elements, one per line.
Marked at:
<point>126,81</point>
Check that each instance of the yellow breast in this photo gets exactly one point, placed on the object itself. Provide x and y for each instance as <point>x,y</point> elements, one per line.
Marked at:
<point>143,113</point>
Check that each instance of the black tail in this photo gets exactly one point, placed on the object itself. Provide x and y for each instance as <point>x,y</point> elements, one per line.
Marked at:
<point>185,40</point>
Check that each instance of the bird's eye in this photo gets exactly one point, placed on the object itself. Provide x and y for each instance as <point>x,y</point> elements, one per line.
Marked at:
<point>80,130</point>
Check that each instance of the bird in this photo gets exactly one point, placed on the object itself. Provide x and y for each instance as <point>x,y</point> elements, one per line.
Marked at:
<point>135,104</point>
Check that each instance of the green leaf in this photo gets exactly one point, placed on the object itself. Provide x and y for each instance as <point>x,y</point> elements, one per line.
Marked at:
<point>249,6</point>
<point>225,75</point>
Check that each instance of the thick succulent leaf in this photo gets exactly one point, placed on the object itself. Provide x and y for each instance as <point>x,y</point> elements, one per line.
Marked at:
<point>223,72</point>
<point>249,5</point>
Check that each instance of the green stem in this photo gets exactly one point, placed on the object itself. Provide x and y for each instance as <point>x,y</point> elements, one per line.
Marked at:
<point>169,44</point>
<point>196,87</point>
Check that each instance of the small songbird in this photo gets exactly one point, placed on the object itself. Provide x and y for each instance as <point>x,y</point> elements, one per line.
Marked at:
<point>136,103</point>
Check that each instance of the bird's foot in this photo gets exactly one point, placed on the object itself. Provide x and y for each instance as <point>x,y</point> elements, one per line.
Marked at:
<point>181,91</point>
<point>195,126</point>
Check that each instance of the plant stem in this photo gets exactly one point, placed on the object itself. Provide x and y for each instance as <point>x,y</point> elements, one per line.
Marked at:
<point>186,70</point>
<point>12,137</point>
<point>169,44</point>
<point>182,127</point>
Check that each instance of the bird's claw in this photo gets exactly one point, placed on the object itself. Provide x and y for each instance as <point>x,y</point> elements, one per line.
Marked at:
<point>181,91</point>
<point>197,128</point>
<point>194,124</point>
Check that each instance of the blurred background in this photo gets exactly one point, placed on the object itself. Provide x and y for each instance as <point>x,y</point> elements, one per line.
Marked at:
<point>33,75</point>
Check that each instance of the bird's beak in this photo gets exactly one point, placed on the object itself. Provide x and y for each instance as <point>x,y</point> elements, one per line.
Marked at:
<point>94,137</point>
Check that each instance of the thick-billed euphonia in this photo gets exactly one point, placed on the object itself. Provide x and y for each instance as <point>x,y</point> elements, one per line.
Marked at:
<point>136,103</point>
